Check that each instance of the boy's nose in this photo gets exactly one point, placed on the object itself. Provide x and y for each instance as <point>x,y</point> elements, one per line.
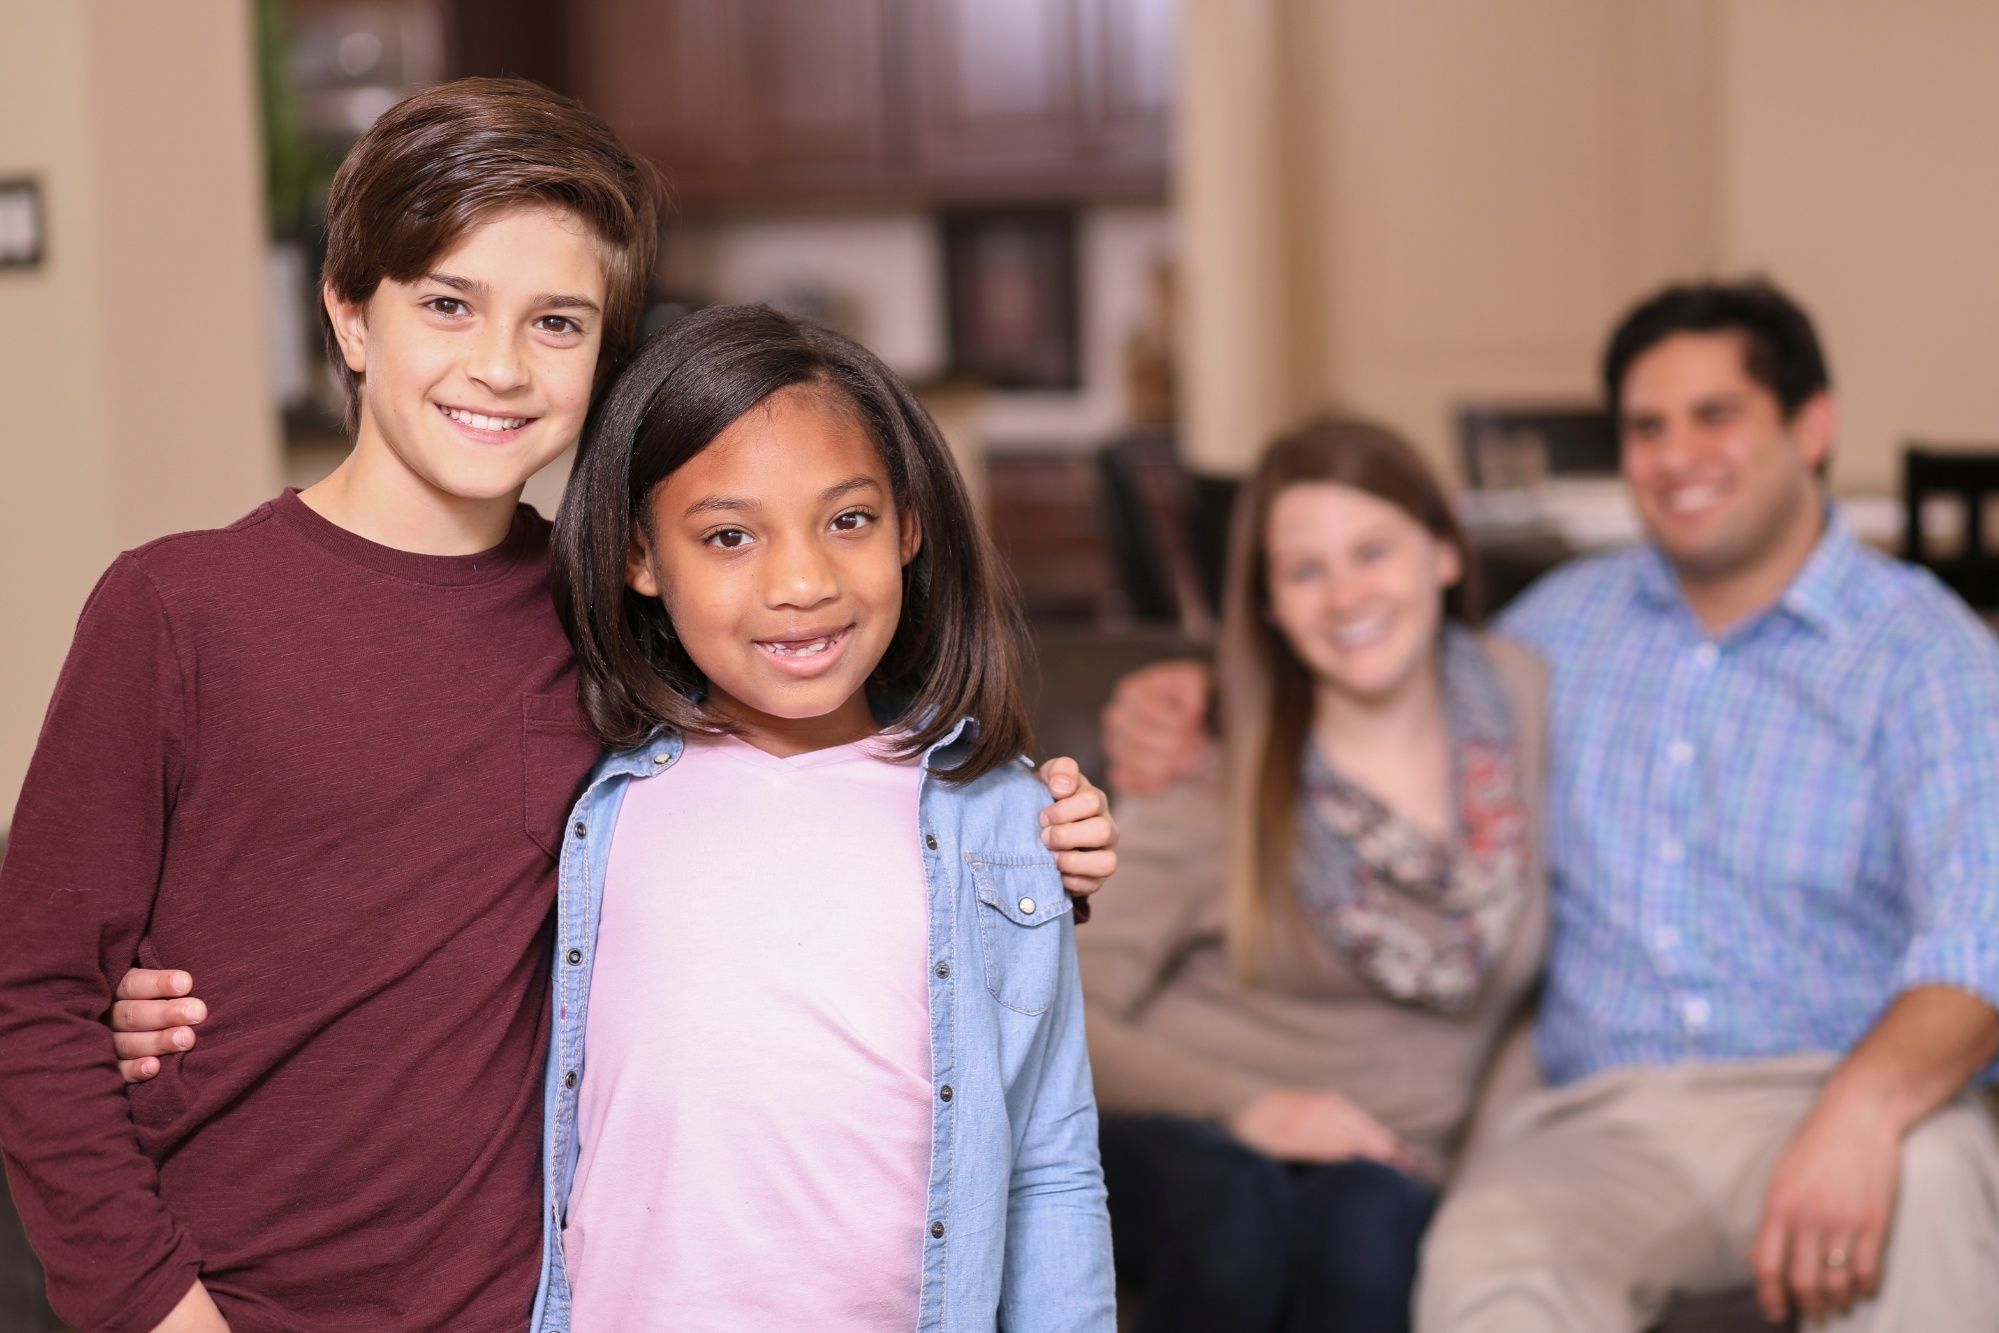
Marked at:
<point>497,362</point>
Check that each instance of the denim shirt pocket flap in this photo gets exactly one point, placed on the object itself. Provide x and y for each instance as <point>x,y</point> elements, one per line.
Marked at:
<point>1018,896</point>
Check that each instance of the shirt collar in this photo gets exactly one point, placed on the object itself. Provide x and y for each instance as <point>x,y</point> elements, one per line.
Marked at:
<point>1815,593</point>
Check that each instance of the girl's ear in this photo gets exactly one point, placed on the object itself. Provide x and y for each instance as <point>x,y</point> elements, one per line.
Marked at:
<point>912,536</point>
<point>350,328</point>
<point>638,567</point>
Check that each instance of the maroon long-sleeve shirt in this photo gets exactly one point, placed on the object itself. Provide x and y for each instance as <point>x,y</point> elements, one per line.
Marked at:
<point>327,778</point>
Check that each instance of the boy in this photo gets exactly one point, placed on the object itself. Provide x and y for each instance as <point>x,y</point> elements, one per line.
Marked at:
<point>343,732</point>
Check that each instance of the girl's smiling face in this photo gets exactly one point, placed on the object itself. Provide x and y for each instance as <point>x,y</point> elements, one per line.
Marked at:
<point>778,552</point>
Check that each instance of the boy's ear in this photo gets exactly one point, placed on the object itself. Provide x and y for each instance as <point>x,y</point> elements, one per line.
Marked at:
<point>638,567</point>
<point>350,327</point>
<point>912,536</point>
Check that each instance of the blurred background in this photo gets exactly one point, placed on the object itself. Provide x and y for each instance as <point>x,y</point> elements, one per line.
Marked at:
<point>1115,244</point>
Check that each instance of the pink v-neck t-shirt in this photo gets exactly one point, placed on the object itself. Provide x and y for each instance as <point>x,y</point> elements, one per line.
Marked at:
<point>755,1111</point>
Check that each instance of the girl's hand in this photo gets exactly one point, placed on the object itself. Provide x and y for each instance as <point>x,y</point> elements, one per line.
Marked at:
<point>1079,829</point>
<point>1317,1125</point>
<point>154,1016</point>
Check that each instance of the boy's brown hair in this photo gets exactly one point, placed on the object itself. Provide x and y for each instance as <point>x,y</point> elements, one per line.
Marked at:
<point>447,158</point>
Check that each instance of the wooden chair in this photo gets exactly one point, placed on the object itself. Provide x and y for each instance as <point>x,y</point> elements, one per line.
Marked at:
<point>1972,569</point>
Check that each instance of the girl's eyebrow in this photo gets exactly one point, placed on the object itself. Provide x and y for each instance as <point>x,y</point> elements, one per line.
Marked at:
<point>474,287</point>
<point>727,503</point>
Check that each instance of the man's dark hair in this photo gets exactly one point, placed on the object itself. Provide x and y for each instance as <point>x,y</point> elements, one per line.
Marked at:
<point>1780,350</point>
<point>958,647</point>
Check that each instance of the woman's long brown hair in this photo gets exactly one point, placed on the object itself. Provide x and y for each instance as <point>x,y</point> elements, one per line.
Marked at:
<point>1264,691</point>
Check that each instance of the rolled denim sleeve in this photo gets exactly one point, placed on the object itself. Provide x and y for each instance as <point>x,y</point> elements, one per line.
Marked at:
<point>1940,747</point>
<point>1057,1274</point>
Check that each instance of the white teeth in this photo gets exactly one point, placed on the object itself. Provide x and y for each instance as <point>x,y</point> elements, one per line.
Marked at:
<point>480,422</point>
<point>811,648</point>
<point>1361,633</point>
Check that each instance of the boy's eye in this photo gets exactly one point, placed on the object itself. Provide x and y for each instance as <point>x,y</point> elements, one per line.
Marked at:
<point>449,306</point>
<point>558,324</point>
<point>727,539</point>
<point>853,520</point>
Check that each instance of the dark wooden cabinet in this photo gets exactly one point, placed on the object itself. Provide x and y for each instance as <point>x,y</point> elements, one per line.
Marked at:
<point>749,103</point>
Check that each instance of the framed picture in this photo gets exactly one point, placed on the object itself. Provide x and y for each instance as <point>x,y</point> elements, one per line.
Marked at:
<point>1010,298</point>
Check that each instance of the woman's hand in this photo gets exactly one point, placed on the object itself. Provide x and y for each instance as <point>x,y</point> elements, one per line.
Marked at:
<point>1155,726</point>
<point>155,1015</point>
<point>1317,1125</point>
<point>1078,828</point>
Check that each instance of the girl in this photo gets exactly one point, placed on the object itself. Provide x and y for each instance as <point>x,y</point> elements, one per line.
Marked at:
<point>833,1072</point>
<point>1293,1013</point>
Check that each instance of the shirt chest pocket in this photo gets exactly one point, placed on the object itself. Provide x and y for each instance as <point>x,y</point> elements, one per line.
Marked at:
<point>557,750</point>
<point>1020,902</point>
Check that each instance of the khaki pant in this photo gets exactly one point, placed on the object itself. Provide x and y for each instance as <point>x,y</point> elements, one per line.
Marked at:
<point>1592,1204</point>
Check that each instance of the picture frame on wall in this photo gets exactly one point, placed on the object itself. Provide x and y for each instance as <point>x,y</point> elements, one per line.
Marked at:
<point>1010,298</point>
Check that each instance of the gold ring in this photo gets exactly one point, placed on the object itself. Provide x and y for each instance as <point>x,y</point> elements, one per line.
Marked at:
<point>1835,1258</point>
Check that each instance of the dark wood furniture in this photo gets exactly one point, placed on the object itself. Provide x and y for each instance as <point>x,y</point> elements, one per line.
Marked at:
<point>1972,567</point>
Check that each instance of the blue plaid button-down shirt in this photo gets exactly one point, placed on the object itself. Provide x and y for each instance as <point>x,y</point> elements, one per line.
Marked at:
<point>1758,841</point>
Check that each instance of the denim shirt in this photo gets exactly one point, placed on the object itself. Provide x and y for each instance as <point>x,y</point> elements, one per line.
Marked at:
<point>1016,1234</point>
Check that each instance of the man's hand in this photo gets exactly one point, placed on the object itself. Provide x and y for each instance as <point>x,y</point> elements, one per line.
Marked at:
<point>1827,1210</point>
<point>154,1016</point>
<point>196,1313</point>
<point>1316,1125</point>
<point>1078,828</point>
<point>1155,728</point>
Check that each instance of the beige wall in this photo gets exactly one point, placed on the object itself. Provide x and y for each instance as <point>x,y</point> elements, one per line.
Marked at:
<point>132,363</point>
<point>1400,206</point>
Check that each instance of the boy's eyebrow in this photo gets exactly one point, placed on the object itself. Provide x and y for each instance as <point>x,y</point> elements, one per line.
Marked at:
<point>727,503</point>
<point>474,287</point>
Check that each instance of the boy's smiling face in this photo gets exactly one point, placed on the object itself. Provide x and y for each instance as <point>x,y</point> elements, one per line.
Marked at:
<point>478,374</point>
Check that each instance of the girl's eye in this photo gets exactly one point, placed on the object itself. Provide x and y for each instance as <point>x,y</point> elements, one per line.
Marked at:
<point>439,304</point>
<point>1297,573</point>
<point>727,539</point>
<point>853,520</point>
<point>562,324</point>
<point>1372,552</point>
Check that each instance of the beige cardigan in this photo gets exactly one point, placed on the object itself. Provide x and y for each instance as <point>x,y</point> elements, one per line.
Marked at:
<point>1174,1030</point>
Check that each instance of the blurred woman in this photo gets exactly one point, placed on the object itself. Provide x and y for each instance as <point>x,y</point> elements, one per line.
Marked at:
<point>1325,935</point>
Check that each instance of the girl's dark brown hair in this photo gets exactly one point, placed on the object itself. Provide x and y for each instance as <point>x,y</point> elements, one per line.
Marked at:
<point>958,648</point>
<point>449,157</point>
<point>1264,691</point>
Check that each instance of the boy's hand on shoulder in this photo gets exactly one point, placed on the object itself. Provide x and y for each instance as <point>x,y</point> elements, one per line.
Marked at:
<point>196,1313</point>
<point>1079,829</point>
<point>154,1016</point>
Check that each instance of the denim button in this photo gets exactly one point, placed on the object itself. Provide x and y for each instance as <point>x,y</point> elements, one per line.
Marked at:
<point>580,830</point>
<point>574,956</point>
<point>1027,907</point>
<point>943,969</point>
<point>944,1093</point>
<point>931,842</point>
<point>937,1230</point>
<point>569,1079</point>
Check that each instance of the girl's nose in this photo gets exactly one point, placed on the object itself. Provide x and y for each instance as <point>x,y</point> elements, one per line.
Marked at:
<point>799,575</point>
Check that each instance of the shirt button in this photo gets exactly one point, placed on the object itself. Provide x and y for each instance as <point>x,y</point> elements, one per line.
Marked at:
<point>1696,1012</point>
<point>569,1079</point>
<point>1027,907</point>
<point>937,1230</point>
<point>943,969</point>
<point>579,830</point>
<point>1671,852</point>
<point>931,842</point>
<point>1706,655</point>
<point>1680,753</point>
<point>944,1093</point>
<point>574,956</point>
<point>661,758</point>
